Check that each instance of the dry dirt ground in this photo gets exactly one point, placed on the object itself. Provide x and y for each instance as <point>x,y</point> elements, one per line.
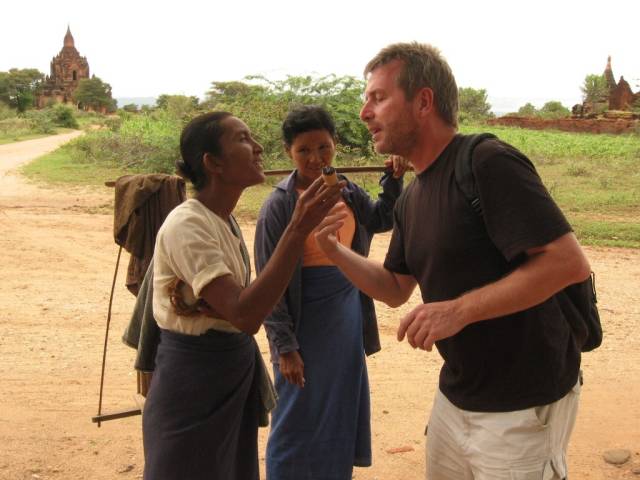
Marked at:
<point>58,257</point>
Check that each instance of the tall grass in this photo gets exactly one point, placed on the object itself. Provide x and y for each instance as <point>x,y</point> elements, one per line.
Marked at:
<point>135,143</point>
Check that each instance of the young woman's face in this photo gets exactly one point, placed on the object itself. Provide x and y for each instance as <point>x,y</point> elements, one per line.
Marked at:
<point>310,152</point>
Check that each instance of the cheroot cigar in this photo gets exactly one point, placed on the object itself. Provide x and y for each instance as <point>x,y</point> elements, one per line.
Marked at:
<point>329,175</point>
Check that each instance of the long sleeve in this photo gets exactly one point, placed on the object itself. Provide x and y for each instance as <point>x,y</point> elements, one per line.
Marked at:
<point>272,221</point>
<point>377,216</point>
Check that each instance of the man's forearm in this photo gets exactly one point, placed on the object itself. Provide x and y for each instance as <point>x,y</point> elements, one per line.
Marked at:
<point>371,277</point>
<point>540,277</point>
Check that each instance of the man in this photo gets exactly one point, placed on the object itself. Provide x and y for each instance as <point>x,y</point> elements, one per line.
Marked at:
<point>509,389</point>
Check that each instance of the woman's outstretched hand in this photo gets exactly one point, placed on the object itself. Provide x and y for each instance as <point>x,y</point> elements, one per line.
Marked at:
<point>314,204</point>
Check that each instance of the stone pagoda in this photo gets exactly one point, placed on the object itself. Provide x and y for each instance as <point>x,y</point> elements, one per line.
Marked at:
<point>621,97</point>
<point>67,69</point>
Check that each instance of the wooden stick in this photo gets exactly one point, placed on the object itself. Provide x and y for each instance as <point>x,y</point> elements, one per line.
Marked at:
<point>115,416</point>
<point>287,171</point>
<point>364,169</point>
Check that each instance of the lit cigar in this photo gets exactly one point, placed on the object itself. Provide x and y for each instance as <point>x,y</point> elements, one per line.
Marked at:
<point>329,176</point>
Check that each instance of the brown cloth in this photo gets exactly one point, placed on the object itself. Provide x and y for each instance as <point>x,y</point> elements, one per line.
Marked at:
<point>142,203</point>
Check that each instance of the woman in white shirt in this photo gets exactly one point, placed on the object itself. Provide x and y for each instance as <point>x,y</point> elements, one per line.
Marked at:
<point>206,398</point>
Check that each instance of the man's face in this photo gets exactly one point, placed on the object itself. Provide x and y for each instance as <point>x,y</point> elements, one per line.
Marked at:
<point>387,113</point>
<point>241,154</point>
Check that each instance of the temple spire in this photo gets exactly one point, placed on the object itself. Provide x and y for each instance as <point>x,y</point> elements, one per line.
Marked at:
<point>68,38</point>
<point>608,74</point>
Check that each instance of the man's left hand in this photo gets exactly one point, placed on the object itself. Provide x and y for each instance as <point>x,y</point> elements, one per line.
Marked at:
<point>429,322</point>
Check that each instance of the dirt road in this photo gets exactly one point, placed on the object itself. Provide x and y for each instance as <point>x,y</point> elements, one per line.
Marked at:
<point>57,263</point>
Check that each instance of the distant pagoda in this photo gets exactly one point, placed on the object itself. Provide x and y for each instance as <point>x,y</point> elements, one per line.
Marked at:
<point>621,97</point>
<point>67,69</point>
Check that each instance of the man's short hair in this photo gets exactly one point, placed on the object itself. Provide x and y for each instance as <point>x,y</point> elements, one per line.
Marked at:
<point>423,66</point>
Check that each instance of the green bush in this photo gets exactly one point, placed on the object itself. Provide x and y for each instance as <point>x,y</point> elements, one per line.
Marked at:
<point>64,116</point>
<point>14,127</point>
<point>6,112</point>
<point>40,121</point>
<point>554,109</point>
<point>145,142</point>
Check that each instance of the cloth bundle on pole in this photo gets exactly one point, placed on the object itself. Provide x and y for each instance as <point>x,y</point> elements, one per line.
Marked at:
<point>142,202</point>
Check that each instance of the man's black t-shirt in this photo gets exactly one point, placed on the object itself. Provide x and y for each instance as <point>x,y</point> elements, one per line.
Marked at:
<point>509,363</point>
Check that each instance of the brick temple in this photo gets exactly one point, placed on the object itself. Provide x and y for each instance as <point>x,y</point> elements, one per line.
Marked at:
<point>621,97</point>
<point>67,69</point>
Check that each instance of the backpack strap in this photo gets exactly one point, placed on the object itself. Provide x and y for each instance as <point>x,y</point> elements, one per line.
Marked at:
<point>464,171</point>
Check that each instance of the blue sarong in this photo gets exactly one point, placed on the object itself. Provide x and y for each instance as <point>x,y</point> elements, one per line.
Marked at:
<point>322,430</point>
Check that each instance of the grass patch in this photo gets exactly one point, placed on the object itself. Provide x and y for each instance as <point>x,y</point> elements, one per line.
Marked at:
<point>4,139</point>
<point>60,168</point>
<point>607,233</point>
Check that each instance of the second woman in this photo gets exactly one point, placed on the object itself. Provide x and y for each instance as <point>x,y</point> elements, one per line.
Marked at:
<point>323,326</point>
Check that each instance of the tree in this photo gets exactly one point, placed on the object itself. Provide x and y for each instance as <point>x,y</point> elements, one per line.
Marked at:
<point>264,103</point>
<point>130,107</point>
<point>179,106</point>
<point>595,89</point>
<point>92,93</point>
<point>554,109</point>
<point>473,104</point>
<point>18,87</point>
<point>527,110</point>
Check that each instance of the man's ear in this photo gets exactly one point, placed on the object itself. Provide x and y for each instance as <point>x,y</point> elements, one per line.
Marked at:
<point>424,101</point>
<point>212,164</point>
<point>287,148</point>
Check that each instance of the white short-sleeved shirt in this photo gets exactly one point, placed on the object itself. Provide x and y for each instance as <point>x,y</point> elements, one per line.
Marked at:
<point>197,246</point>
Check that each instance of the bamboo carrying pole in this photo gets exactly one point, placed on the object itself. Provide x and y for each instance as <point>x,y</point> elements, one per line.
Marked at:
<point>287,171</point>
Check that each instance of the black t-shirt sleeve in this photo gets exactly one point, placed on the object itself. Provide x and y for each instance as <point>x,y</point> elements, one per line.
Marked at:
<point>518,211</point>
<point>395,261</point>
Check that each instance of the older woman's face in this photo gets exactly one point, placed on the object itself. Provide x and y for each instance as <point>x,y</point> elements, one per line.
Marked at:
<point>310,152</point>
<point>241,154</point>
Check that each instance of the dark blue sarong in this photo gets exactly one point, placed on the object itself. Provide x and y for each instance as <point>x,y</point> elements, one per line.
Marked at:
<point>322,430</point>
<point>200,419</point>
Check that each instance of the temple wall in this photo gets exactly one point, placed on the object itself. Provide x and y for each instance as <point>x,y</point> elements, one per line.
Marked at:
<point>588,125</point>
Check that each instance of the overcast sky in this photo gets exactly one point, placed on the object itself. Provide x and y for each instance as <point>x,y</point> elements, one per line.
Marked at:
<point>519,51</point>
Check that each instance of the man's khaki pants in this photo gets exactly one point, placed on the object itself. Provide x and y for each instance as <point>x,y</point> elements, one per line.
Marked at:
<point>522,445</point>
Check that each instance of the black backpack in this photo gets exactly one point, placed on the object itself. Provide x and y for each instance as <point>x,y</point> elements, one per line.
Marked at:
<point>578,302</point>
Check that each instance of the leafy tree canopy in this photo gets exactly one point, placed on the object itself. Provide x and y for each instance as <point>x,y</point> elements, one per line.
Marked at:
<point>18,87</point>
<point>595,88</point>
<point>554,109</point>
<point>264,104</point>
<point>473,104</point>
<point>179,106</point>
<point>94,94</point>
<point>527,110</point>
<point>130,107</point>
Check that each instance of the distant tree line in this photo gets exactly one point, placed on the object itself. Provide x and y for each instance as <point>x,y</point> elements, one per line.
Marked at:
<point>551,109</point>
<point>264,103</point>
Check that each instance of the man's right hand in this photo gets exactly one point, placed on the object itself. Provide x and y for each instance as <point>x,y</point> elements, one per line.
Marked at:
<point>314,204</point>
<point>292,368</point>
<point>326,233</point>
